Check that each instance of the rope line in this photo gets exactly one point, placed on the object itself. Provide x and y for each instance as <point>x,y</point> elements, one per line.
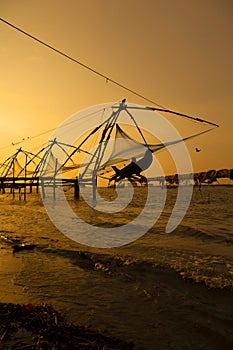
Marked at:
<point>107,79</point>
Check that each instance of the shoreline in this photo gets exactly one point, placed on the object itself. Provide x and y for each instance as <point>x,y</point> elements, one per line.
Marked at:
<point>163,291</point>
<point>147,303</point>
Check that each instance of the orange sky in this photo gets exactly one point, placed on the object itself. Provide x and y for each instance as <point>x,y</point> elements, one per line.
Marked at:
<point>177,53</point>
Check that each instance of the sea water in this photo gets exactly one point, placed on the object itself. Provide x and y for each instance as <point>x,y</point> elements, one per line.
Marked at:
<point>103,288</point>
<point>208,219</point>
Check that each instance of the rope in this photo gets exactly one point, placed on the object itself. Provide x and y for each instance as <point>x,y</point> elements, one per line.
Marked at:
<point>107,79</point>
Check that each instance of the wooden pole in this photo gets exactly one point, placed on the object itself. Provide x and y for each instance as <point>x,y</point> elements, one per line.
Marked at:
<point>13,182</point>
<point>3,187</point>
<point>25,179</point>
<point>94,185</point>
<point>42,187</point>
<point>54,180</point>
<point>76,189</point>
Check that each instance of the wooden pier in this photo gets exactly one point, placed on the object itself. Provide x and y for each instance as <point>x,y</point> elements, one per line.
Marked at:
<point>24,185</point>
<point>23,172</point>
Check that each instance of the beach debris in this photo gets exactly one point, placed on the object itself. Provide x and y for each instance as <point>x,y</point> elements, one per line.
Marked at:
<point>29,307</point>
<point>15,242</point>
<point>46,329</point>
<point>23,246</point>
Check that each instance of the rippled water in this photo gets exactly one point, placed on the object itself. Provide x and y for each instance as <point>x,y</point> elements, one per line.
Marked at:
<point>106,287</point>
<point>209,218</point>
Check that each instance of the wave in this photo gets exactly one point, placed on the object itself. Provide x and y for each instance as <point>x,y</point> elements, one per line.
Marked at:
<point>223,237</point>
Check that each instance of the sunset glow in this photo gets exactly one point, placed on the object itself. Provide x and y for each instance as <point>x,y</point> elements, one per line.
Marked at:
<point>178,54</point>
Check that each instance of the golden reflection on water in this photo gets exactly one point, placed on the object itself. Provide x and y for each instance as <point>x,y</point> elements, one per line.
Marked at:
<point>10,266</point>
